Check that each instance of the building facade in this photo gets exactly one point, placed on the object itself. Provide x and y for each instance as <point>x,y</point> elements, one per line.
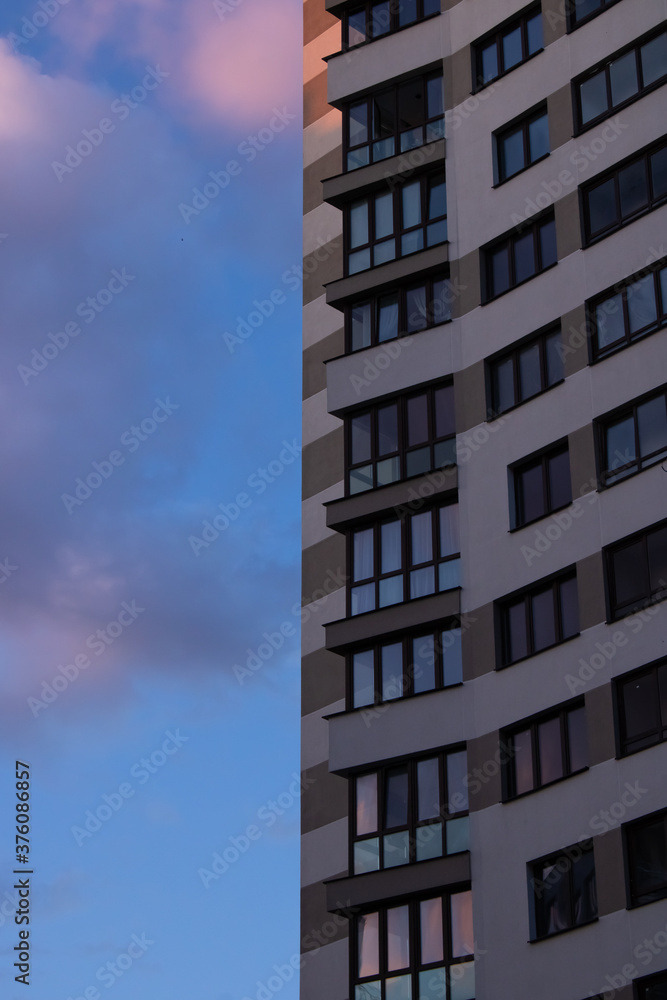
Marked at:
<point>484,631</point>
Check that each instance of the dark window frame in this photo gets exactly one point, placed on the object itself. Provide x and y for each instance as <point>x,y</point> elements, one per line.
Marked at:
<point>541,457</point>
<point>513,353</point>
<point>404,449</point>
<point>553,859</point>
<point>497,34</point>
<point>394,25</point>
<point>651,736</point>
<point>641,462</point>
<point>621,221</point>
<point>643,985</point>
<point>573,22</point>
<point>622,287</point>
<point>435,316</point>
<point>617,611</point>
<point>408,673</point>
<point>508,241</point>
<point>604,65</point>
<point>634,899</point>
<point>522,124</point>
<point>507,737</point>
<point>527,595</point>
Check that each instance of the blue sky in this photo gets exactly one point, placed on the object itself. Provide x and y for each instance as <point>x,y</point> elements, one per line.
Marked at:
<point>134,415</point>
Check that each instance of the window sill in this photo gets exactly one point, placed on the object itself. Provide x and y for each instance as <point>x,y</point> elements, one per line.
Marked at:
<point>647,464</point>
<point>542,517</point>
<point>533,163</point>
<point>561,642</point>
<point>614,349</point>
<point>520,284</point>
<point>550,784</point>
<point>566,930</point>
<point>594,240</point>
<point>490,417</point>
<point>644,604</point>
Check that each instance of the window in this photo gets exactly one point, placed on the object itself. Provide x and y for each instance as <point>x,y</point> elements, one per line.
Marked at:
<point>551,747</point>
<point>394,120</point>
<point>633,438</point>
<point>621,79</point>
<point>652,988</point>
<point>540,485</point>
<point>637,571</point>
<point>525,371</point>
<point>583,10</point>
<point>563,891</point>
<point>619,196</point>
<point>406,310</point>
<point>407,666</point>
<point>410,812</point>
<point>646,852</point>
<point>403,559</point>
<point>521,144</point>
<point>415,950</point>
<point>539,618</point>
<point>519,256</point>
<point>641,699</point>
<point>394,223</point>
<point>508,46</point>
<point>408,437</point>
<point>628,312</point>
<point>374,20</point>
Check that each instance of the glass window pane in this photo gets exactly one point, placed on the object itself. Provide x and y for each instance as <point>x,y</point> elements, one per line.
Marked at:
<point>535,36</point>
<point>369,991</point>
<point>436,233</point>
<point>462,933</point>
<point>407,12</point>
<point>449,530</point>
<point>560,487</point>
<point>431,7</point>
<point>412,242</point>
<point>412,207</point>
<point>552,906</point>
<point>358,157</point>
<point>538,135</point>
<point>550,750</point>
<point>462,979</point>
<point>422,582</point>
<point>396,848</point>
<point>388,429</point>
<point>396,797</point>
<point>398,988</point>
<point>435,96</point>
<point>367,856</point>
<point>388,318</point>
<point>391,591</point>
<point>522,745</point>
<point>361,478</point>
<point>388,471</point>
<point>363,678</point>
<point>380,18</point>
<point>423,663</point>
<point>415,307</point>
<point>442,298</point>
<point>633,186</point>
<point>548,245</point>
<point>512,156</point>
<point>652,425</point>
<point>582,8</point>
<point>569,607</point>
<point>458,835</point>
<point>512,49</point>
<point>517,638</point>
<point>642,309</point>
<point>359,261</point>
<point>437,198</point>
<point>503,385</point>
<point>584,895</point>
<point>500,271</point>
<point>356,27</point>
<point>384,114</point>
<point>422,538</point>
<point>593,96</point>
<point>362,599</point>
<point>657,560</point>
<point>640,713</point>
<point>382,252</point>
<point>430,923</point>
<point>417,411</point>
<point>360,319</point>
<point>544,620</point>
<point>411,104</point>
<point>659,174</point>
<point>620,443</point>
<point>530,371</point>
<point>554,356</point>
<point>457,788</point>
<point>428,788</point>
<point>445,422</point>
<point>367,804</point>
<point>452,663</point>
<point>530,494</point>
<point>417,462</point>
<point>390,547</point>
<point>489,60</point>
<point>624,82</point>
<point>357,118</point>
<point>601,201</point>
<point>392,671</point>
<point>524,257</point>
<point>384,215</point>
<point>654,59</point>
<point>609,321</point>
<point>647,848</point>
<point>363,554</point>
<point>449,574</point>
<point>358,223</point>
<point>398,936</point>
<point>428,842</point>
<point>577,738</point>
<point>369,944</point>
<point>630,573</point>
<point>360,438</point>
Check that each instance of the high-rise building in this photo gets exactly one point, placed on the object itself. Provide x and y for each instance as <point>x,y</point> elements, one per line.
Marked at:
<point>485,500</point>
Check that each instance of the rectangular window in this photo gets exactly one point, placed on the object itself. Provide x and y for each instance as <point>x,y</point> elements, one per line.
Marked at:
<point>629,311</point>
<point>550,747</point>
<point>396,440</point>
<point>410,812</point>
<point>521,144</point>
<point>525,371</point>
<point>518,256</point>
<point>633,438</point>
<point>619,196</point>
<point>646,856</point>
<point>538,618</point>
<point>621,79</point>
<point>652,987</point>
<point>405,558</point>
<point>641,701</point>
<point>508,46</point>
<point>411,665</point>
<point>581,11</point>
<point>563,893</point>
<point>541,485</point>
<point>391,224</point>
<point>637,571</point>
<point>403,311</point>
<point>394,120</point>
<point>369,21</point>
<point>415,950</point>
